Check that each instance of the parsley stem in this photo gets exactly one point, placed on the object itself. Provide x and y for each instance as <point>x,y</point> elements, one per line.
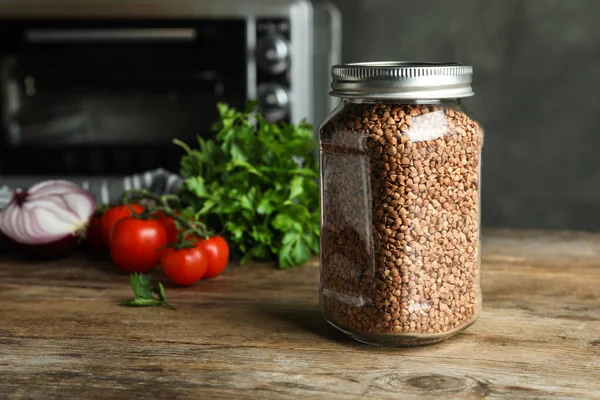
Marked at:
<point>183,145</point>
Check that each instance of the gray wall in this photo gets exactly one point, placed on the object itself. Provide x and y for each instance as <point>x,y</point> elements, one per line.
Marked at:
<point>537,84</point>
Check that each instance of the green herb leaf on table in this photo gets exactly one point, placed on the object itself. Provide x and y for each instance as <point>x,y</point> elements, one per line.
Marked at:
<point>257,183</point>
<point>144,293</point>
<point>141,285</point>
<point>159,290</point>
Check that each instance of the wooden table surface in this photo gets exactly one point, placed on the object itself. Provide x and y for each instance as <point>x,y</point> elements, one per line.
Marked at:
<point>256,333</point>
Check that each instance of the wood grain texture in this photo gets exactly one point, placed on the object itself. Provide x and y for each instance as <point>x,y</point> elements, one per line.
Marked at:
<point>256,333</point>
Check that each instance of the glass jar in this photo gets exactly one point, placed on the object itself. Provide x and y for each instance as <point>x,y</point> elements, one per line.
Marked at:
<point>400,194</point>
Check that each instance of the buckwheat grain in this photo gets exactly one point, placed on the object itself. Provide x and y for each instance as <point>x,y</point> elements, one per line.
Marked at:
<point>400,239</point>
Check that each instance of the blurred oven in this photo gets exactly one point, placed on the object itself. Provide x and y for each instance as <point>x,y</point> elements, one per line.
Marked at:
<point>100,88</point>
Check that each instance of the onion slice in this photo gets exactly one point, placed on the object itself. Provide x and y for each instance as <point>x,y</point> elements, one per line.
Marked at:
<point>48,212</point>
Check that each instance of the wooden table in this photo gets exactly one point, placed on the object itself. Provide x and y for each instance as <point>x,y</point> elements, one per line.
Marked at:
<point>256,333</point>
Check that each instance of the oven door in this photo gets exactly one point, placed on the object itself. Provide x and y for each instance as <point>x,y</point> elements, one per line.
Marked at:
<point>107,98</point>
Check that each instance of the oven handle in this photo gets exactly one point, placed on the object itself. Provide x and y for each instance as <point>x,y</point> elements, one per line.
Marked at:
<point>112,35</point>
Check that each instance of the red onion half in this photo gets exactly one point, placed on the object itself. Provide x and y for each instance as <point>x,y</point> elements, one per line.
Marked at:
<point>50,212</point>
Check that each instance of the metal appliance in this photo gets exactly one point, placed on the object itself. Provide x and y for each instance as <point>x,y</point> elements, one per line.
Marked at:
<point>99,89</point>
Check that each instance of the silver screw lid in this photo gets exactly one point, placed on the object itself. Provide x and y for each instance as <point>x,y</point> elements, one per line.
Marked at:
<point>402,80</point>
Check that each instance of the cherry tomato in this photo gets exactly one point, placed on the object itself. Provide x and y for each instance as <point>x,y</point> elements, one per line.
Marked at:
<point>115,214</point>
<point>135,244</point>
<point>168,223</point>
<point>95,236</point>
<point>217,250</point>
<point>184,266</point>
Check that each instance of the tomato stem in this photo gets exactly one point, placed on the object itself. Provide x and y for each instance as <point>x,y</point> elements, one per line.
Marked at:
<point>166,198</point>
<point>162,202</point>
<point>197,226</point>
<point>201,233</point>
<point>101,209</point>
<point>181,244</point>
<point>140,194</point>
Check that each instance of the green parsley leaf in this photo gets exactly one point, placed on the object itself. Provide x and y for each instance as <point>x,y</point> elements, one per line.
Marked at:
<point>296,187</point>
<point>159,289</point>
<point>141,302</point>
<point>144,293</point>
<point>301,251</point>
<point>141,285</point>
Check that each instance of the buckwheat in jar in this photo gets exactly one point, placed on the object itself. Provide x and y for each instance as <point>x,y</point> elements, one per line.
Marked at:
<point>400,198</point>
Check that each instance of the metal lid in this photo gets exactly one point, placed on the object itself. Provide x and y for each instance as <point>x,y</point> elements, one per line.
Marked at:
<point>402,80</point>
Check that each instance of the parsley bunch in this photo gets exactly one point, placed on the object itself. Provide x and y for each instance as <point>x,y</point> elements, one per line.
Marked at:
<point>256,182</point>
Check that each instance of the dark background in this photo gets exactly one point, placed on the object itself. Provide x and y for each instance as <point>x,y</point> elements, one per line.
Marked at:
<point>537,85</point>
